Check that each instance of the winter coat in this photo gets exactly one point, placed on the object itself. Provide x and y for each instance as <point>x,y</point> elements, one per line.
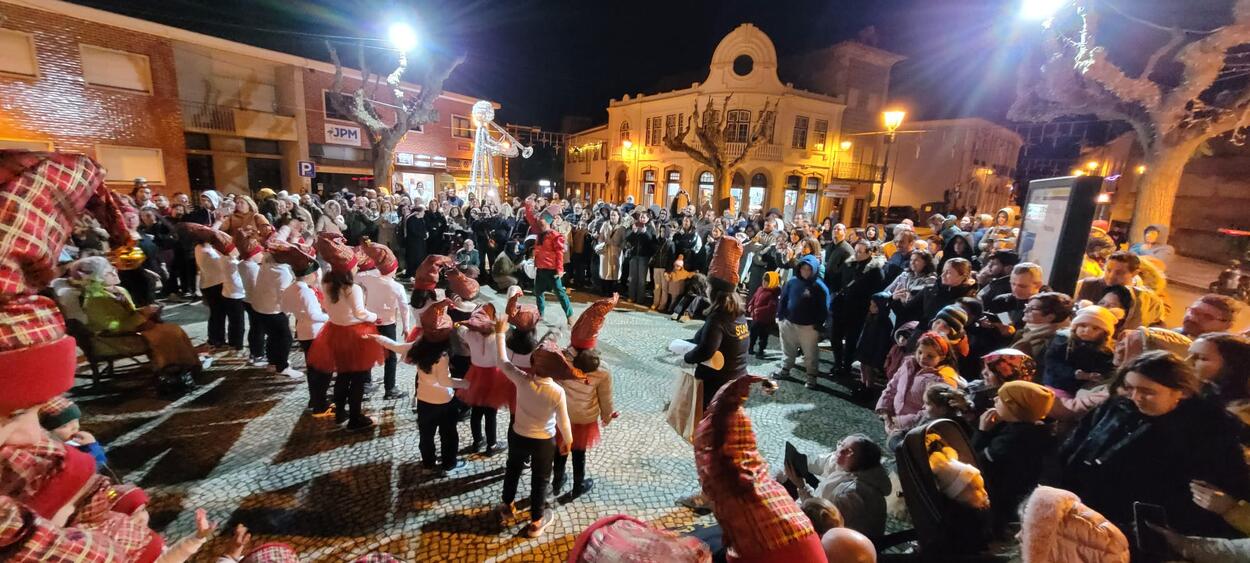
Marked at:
<point>805,301</point>
<point>925,305</point>
<point>1000,237</point>
<point>859,495</point>
<point>836,256</point>
<point>1034,340</point>
<point>949,251</point>
<point>664,254</point>
<point>1117,456</point>
<point>690,247</point>
<point>910,281</point>
<point>876,339</point>
<point>1147,310</point>
<point>727,335</point>
<point>860,280</point>
<point>613,253</point>
<point>1160,249</point>
<point>641,244</point>
<point>903,397</point>
<point>1010,456</point>
<point>1058,528</point>
<point>763,306</point>
<point>1063,360</point>
<point>997,287</point>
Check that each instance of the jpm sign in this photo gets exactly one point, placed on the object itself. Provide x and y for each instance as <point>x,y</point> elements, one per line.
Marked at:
<point>342,134</point>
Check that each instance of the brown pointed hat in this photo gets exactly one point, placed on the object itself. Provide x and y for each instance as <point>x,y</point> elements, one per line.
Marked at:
<point>200,234</point>
<point>332,248</point>
<point>549,361</point>
<point>247,241</point>
<point>585,333</point>
<point>523,317</point>
<point>301,262</point>
<point>364,262</point>
<point>482,320</point>
<point>723,272</point>
<point>436,324</point>
<point>382,256</point>
<point>426,276</point>
<point>41,195</point>
<point>463,286</point>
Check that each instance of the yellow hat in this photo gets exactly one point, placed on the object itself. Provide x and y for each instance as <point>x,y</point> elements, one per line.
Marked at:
<point>772,279</point>
<point>1025,401</point>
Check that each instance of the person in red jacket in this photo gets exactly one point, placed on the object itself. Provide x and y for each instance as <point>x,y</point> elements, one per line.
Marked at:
<point>548,257</point>
<point>763,312</point>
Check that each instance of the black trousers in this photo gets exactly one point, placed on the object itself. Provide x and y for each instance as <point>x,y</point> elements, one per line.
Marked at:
<point>541,454</point>
<point>478,415</point>
<point>760,332</point>
<point>318,382</point>
<point>184,269</point>
<point>579,468</point>
<point>275,331</point>
<point>388,369</point>
<point>349,393</point>
<point>442,419</point>
<point>216,315</point>
<point>255,332</point>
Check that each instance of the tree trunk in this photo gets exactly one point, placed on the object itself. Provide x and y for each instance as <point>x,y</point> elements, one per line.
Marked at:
<point>383,165</point>
<point>1156,193</point>
<point>720,195</point>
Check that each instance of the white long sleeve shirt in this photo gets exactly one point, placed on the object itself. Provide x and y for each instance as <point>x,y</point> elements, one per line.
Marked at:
<point>540,404</point>
<point>248,270</point>
<point>272,281</point>
<point>350,309</point>
<point>206,258</point>
<point>436,386</point>
<point>386,298</point>
<point>481,347</point>
<point>301,301</point>
<point>231,280</point>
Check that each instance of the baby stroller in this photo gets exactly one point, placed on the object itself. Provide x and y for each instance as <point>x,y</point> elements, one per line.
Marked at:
<point>944,529</point>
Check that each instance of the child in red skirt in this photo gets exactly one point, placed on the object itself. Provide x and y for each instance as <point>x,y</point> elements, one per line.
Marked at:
<point>303,299</point>
<point>343,346</point>
<point>489,390</point>
<point>589,402</point>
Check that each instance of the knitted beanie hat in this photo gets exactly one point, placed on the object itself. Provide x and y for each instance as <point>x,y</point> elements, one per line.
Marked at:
<point>723,272</point>
<point>1011,364</point>
<point>772,279</point>
<point>426,276</point>
<point>585,333</point>
<point>1098,316</point>
<point>955,317</point>
<point>332,248</point>
<point>301,263</point>
<point>1025,401</point>
<point>58,412</point>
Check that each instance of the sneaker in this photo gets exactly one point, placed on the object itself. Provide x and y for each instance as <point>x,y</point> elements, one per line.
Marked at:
<point>696,501</point>
<point>558,486</point>
<point>811,382</point>
<point>340,417</point>
<point>505,512</point>
<point>683,318</point>
<point>579,491</point>
<point>292,373</point>
<point>759,355</point>
<point>394,394</point>
<point>206,361</point>
<point>536,528</point>
<point>363,423</point>
<point>475,447</point>
<point>446,471</point>
<point>258,361</point>
<point>781,373</point>
<point>492,449</point>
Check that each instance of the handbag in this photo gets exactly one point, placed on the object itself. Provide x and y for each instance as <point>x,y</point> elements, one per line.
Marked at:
<point>599,248</point>
<point>685,409</point>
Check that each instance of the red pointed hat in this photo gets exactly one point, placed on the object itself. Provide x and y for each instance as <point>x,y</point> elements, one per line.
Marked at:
<point>383,258</point>
<point>199,234</point>
<point>302,263</point>
<point>760,520</point>
<point>332,248</point>
<point>436,324</point>
<point>463,286</point>
<point>549,361</point>
<point>523,317</point>
<point>364,261</point>
<point>723,271</point>
<point>426,276</point>
<point>585,333</point>
<point>41,195</point>
<point>482,320</point>
<point>248,243</point>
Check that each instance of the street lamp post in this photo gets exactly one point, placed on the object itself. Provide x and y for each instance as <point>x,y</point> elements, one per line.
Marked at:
<point>628,145</point>
<point>893,119</point>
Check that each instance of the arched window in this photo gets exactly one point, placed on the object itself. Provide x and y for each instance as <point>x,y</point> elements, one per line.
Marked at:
<point>624,131</point>
<point>736,185</point>
<point>759,187</point>
<point>707,188</point>
<point>672,186</point>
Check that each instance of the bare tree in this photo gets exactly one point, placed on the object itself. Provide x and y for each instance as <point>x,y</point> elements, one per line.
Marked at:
<point>1173,112</point>
<point>710,146</point>
<point>360,105</point>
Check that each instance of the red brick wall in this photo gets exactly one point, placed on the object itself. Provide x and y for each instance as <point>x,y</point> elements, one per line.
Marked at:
<point>60,106</point>
<point>435,140</point>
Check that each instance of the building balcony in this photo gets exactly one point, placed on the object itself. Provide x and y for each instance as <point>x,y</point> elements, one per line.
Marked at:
<point>222,120</point>
<point>856,172</point>
<point>765,151</point>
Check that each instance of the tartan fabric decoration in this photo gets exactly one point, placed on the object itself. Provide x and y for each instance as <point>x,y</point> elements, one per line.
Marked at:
<point>27,537</point>
<point>333,249</point>
<point>757,514</point>
<point>436,324</point>
<point>523,317</point>
<point>426,276</point>
<point>40,196</point>
<point>482,320</point>
<point>25,469</point>
<point>585,331</point>
<point>197,233</point>
<point>463,286</point>
<point>137,542</point>
<point>724,266</point>
<point>272,553</point>
<point>301,262</point>
<point>383,257</point>
<point>549,361</point>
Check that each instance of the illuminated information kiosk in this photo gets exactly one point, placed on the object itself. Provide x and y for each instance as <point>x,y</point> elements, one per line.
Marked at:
<point>1058,213</point>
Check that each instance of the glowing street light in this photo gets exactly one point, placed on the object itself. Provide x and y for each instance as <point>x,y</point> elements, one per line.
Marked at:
<point>402,37</point>
<point>1092,165</point>
<point>1141,168</point>
<point>893,119</point>
<point>845,145</point>
<point>628,144</point>
<point>1039,10</point>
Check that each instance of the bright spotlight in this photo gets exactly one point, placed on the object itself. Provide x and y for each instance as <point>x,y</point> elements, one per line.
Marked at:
<point>402,36</point>
<point>1040,9</point>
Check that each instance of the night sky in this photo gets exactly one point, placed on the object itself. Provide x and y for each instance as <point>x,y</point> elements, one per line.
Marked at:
<point>544,60</point>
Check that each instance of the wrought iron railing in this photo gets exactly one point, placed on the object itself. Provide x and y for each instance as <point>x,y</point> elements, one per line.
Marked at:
<point>211,118</point>
<point>856,171</point>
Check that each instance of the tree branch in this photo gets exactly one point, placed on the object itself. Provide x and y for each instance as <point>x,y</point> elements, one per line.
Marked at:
<point>1177,36</point>
<point>1203,60</point>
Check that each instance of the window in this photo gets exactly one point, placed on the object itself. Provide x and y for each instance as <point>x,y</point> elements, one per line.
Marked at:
<point>811,198</point>
<point>820,134</point>
<point>706,187</point>
<point>674,185</point>
<point>655,130</point>
<point>791,199</point>
<point>739,126</point>
<point>261,146</point>
<point>25,145</point>
<point>263,173</point>
<point>670,126</point>
<point>17,53</point>
<point>124,164</point>
<point>197,141</point>
<point>200,172</point>
<point>331,111</point>
<point>116,69</point>
<point>461,127</point>
<point>759,184</point>
<point>624,131</point>
<point>852,97</point>
<point>799,140</point>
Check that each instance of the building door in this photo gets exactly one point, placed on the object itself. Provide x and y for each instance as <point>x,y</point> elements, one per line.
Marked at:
<point>759,189</point>
<point>622,183</point>
<point>707,186</point>
<point>672,187</point>
<point>735,192</point>
<point>811,199</point>
<point>648,188</point>
<point>791,202</point>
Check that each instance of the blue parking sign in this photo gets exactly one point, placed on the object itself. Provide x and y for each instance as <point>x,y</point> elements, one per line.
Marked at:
<point>307,168</point>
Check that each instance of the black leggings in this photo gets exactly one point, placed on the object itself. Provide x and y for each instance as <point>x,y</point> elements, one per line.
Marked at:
<point>388,370</point>
<point>349,393</point>
<point>318,382</point>
<point>275,331</point>
<point>579,468</point>
<point>220,310</point>
<point>541,453</point>
<point>442,419</point>
<point>479,415</point>
<point>760,332</point>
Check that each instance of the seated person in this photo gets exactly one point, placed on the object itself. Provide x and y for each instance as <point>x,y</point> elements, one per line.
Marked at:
<point>852,478</point>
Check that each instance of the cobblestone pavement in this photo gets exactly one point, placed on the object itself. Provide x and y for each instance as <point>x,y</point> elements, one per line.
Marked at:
<point>239,446</point>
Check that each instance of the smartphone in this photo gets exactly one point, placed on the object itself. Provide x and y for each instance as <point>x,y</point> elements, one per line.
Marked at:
<point>1148,540</point>
<point>1005,318</point>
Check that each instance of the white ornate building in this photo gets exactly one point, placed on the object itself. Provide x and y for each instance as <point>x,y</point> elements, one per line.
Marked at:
<point>806,165</point>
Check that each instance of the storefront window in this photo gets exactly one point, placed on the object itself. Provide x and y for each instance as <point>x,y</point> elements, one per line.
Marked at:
<point>759,186</point>
<point>706,187</point>
<point>811,198</point>
<point>674,186</point>
<point>791,201</point>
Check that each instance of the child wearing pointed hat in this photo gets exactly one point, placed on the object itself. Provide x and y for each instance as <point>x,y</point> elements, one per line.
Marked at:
<point>589,400</point>
<point>273,278</point>
<point>304,300</point>
<point>541,412</point>
<point>489,390</point>
<point>1011,444</point>
<point>220,284</point>
<point>424,287</point>
<point>341,348</point>
<point>384,296</point>
<point>250,255</point>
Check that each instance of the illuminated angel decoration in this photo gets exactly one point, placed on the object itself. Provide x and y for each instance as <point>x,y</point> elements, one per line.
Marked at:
<point>490,141</point>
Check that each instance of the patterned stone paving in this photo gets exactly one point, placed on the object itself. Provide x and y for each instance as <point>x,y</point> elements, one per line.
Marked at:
<point>239,447</point>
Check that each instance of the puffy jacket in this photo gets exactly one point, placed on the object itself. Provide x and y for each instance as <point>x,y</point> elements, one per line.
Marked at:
<point>1058,528</point>
<point>859,495</point>
<point>763,305</point>
<point>549,252</point>
<point>903,397</point>
<point>804,301</point>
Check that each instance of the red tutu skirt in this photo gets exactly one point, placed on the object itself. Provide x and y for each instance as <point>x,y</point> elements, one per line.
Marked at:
<point>343,349</point>
<point>585,436</point>
<point>488,387</point>
<point>413,334</point>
